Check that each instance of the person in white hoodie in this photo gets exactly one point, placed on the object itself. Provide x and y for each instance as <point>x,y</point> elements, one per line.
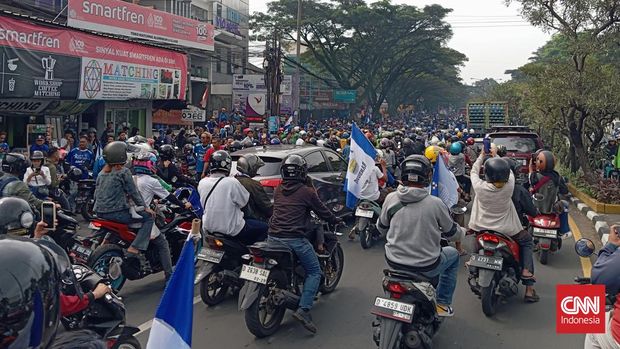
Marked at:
<point>493,209</point>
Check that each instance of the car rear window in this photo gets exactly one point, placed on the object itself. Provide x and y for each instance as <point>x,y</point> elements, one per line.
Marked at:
<point>517,144</point>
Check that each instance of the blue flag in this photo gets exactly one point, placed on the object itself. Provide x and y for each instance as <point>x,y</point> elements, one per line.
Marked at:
<point>444,184</point>
<point>361,161</point>
<point>172,326</point>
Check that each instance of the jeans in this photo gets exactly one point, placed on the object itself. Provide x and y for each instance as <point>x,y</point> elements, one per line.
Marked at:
<point>141,242</point>
<point>602,340</point>
<point>564,227</point>
<point>59,196</point>
<point>447,271</point>
<point>526,246</point>
<point>253,231</point>
<point>163,249</point>
<point>310,262</point>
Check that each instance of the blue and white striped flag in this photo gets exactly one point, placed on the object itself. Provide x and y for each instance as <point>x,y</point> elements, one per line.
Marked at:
<point>361,161</point>
<point>444,184</point>
<point>172,326</point>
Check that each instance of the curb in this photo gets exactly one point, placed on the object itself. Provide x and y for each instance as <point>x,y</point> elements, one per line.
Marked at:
<point>600,225</point>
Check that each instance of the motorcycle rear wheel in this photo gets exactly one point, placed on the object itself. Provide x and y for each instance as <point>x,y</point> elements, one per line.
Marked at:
<point>99,261</point>
<point>212,290</point>
<point>489,299</point>
<point>256,322</point>
<point>127,343</point>
<point>87,210</point>
<point>544,257</point>
<point>366,238</point>
<point>336,263</point>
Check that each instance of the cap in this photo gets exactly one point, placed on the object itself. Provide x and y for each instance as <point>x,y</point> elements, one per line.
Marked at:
<point>41,137</point>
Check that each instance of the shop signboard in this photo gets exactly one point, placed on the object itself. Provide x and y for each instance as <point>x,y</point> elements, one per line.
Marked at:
<point>54,63</point>
<point>193,114</point>
<point>345,96</point>
<point>227,25</point>
<point>274,124</point>
<point>21,106</point>
<point>140,22</point>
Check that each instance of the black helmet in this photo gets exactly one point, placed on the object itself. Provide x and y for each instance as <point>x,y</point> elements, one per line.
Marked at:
<point>187,149</point>
<point>312,141</point>
<point>236,145</point>
<point>37,155</point>
<point>167,152</point>
<point>247,143</point>
<point>496,170</point>
<point>407,143</point>
<point>115,153</point>
<point>220,162</point>
<point>30,289</point>
<point>294,167</point>
<point>515,167</point>
<point>16,215</point>
<point>501,150</point>
<point>318,134</point>
<point>15,163</point>
<point>249,164</point>
<point>416,169</point>
<point>75,174</point>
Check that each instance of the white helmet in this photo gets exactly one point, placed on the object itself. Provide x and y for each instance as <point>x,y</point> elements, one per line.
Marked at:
<point>434,140</point>
<point>296,128</point>
<point>456,129</point>
<point>471,130</point>
<point>302,133</point>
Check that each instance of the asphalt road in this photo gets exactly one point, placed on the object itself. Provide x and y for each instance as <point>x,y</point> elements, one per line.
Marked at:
<point>344,320</point>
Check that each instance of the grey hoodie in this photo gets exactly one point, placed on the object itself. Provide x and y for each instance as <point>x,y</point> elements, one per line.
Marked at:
<point>414,232</point>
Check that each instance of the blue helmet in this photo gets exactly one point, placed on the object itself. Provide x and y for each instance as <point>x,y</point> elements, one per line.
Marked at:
<point>456,148</point>
<point>345,135</point>
<point>275,141</point>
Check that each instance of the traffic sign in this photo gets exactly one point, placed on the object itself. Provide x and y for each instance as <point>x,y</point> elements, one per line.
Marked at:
<point>345,96</point>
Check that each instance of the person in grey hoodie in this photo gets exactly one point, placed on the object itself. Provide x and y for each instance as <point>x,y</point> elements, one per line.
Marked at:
<point>493,209</point>
<point>414,223</point>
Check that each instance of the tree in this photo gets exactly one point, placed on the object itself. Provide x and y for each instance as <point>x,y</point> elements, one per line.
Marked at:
<point>586,26</point>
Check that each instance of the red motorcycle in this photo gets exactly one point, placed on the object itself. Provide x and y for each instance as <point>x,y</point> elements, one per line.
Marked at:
<point>545,229</point>
<point>495,271</point>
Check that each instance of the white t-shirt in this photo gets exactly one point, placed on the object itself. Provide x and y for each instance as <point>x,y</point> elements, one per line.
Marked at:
<point>222,212</point>
<point>149,187</point>
<point>38,180</point>
<point>370,189</point>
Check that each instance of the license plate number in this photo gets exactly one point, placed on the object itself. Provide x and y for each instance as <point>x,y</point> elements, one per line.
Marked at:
<point>545,233</point>
<point>486,262</point>
<point>363,213</point>
<point>209,255</point>
<point>84,251</point>
<point>392,309</point>
<point>254,274</point>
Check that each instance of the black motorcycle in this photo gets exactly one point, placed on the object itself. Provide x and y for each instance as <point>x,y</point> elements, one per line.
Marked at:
<point>221,265</point>
<point>104,316</point>
<point>274,280</point>
<point>85,199</point>
<point>65,235</point>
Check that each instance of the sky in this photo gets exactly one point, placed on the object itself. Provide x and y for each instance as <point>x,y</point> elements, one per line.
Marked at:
<point>493,36</point>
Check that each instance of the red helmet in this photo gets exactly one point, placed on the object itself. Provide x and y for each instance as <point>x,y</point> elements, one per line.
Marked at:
<point>470,141</point>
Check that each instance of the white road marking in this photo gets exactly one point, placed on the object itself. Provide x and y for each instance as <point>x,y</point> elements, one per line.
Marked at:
<point>147,325</point>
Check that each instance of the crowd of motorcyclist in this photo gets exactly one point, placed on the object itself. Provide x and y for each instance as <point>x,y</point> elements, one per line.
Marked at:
<point>131,173</point>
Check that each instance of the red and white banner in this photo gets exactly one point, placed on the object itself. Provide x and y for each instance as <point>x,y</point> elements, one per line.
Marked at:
<point>123,18</point>
<point>110,69</point>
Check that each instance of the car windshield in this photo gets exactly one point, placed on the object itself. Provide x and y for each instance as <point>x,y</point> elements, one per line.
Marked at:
<point>517,144</point>
<point>271,168</point>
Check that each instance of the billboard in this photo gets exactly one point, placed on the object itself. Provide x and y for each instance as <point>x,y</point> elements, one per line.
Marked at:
<point>58,63</point>
<point>250,94</point>
<point>135,21</point>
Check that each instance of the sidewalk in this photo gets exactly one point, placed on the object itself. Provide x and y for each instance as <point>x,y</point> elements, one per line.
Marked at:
<point>601,222</point>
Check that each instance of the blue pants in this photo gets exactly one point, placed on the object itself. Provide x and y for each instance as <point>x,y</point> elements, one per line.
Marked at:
<point>564,227</point>
<point>253,231</point>
<point>308,259</point>
<point>141,242</point>
<point>447,271</point>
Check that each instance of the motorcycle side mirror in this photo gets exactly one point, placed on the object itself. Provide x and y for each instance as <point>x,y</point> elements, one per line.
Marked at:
<point>458,210</point>
<point>538,197</point>
<point>584,247</point>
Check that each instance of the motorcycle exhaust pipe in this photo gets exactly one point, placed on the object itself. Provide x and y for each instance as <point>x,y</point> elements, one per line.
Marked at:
<point>288,299</point>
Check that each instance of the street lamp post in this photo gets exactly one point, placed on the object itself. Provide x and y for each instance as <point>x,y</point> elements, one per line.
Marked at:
<point>297,84</point>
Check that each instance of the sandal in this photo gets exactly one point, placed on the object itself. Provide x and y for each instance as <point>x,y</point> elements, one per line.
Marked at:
<point>531,299</point>
<point>528,277</point>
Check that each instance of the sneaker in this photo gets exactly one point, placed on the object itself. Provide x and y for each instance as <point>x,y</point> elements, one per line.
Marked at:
<point>444,310</point>
<point>568,235</point>
<point>306,319</point>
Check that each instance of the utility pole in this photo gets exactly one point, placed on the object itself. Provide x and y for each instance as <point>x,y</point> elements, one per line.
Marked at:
<point>273,73</point>
<point>297,80</point>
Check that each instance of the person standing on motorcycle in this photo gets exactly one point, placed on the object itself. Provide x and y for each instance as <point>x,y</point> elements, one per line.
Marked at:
<point>259,205</point>
<point>292,202</point>
<point>605,271</point>
<point>414,223</point>
<point>493,210</point>
<point>114,184</point>
<point>223,198</point>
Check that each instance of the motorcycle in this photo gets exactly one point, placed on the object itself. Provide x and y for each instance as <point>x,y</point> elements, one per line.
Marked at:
<point>545,228</point>
<point>109,239</point>
<point>366,215</point>
<point>104,316</point>
<point>407,314</point>
<point>495,271</point>
<point>65,235</point>
<point>274,279</point>
<point>85,198</point>
<point>219,274</point>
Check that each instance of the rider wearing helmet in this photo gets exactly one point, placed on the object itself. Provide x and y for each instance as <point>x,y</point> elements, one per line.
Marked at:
<point>38,176</point>
<point>292,202</point>
<point>259,206</point>
<point>14,166</point>
<point>493,209</point>
<point>371,189</point>
<point>235,146</point>
<point>167,169</point>
<point>114,184</point>
<point>17,217</point>
<point>275,140</point>
<point>223,199</point>
<point>388,154</point>
<point>456,164</point>
<point>414,223</point>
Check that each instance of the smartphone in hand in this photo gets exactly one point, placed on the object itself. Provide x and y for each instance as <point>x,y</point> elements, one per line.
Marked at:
<point>48,214</point>
<point>487,145</point>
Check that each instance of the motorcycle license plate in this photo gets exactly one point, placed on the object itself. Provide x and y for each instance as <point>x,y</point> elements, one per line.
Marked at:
<point>363,213</point>
<point>209,255</point>
<point>392,309</point>
<point>254,274</point>
<point>81,250</point>
<point>486,262</point>
<point>545,233</point>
